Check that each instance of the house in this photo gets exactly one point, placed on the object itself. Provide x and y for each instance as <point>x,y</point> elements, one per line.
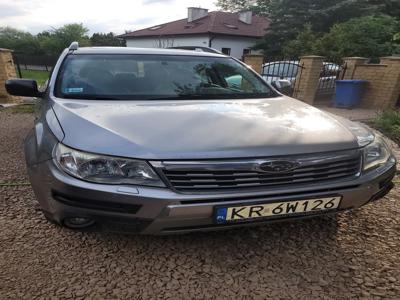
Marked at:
<point>231,33</point>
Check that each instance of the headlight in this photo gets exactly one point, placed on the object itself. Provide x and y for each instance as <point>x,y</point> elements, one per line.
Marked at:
<point>105,169</point>
<point>375,154</point>
<point>363,133</point>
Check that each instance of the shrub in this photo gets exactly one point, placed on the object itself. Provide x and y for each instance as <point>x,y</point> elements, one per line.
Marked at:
<point>371,36</point>
<point>389,123</point>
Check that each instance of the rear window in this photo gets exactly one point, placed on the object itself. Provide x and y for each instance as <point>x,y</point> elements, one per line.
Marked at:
<point>122,77</point>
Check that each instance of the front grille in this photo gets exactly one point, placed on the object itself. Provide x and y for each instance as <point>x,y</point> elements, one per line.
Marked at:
<point>220,176</point>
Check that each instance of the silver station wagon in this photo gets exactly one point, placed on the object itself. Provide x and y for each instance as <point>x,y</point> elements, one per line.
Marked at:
<point>161,141</point>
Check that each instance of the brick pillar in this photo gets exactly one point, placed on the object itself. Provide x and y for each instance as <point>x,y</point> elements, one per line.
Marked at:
<point>351,65</point>
<point>7,71</point>
<point>255,61</point>
<point>391,82</point>
<point>308,78</point>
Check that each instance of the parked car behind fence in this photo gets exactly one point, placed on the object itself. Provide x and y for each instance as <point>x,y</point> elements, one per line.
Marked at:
<point>287,70</point>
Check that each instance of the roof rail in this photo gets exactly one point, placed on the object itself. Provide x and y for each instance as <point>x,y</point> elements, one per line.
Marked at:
<point>73,46</point>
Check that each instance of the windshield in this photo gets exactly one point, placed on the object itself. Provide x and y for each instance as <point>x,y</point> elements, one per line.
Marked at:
<point>157,77</point>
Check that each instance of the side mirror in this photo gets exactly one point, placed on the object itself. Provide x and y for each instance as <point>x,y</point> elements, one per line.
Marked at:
<point>22,87</point>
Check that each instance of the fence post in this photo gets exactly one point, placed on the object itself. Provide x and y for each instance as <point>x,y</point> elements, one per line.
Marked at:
<point>255,61</point>
<point>351,64</point>
<point>7,71</point>
<point>308,78</point>
<point>391,82</point>
<point>15,58</point>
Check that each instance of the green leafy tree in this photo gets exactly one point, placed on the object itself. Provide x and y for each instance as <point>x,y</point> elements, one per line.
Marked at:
<point>235,5</point>
<point>387,7</point>
<point>370,36</point>
<point>396,40</point>
<point>288,17</point>
<point>303,44</point>
<point>19,41</point>
<point>54,41</point>
<point>106,39</point>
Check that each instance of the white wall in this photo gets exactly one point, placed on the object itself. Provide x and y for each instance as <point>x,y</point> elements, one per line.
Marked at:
<point>154,42</point>
<point>237,44</point>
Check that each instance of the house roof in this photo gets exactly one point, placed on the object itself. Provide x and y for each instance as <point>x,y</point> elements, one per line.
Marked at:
<point>216,22</point>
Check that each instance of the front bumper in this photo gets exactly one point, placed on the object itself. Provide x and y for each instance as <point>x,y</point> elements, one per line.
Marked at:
<point>151,210</point>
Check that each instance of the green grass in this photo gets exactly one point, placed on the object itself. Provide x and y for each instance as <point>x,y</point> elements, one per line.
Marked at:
<point>39,76</point>
<point>388,123</point>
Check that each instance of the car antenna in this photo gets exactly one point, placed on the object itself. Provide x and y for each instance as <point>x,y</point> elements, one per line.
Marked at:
<point>74,46</point>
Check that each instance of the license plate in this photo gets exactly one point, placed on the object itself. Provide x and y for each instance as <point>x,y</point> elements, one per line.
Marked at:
<point>276,209</point>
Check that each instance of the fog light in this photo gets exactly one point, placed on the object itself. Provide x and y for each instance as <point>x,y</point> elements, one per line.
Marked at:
<point>78,222</point>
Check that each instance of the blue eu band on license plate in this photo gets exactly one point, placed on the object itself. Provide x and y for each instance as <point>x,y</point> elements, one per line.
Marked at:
<point>276,209</point>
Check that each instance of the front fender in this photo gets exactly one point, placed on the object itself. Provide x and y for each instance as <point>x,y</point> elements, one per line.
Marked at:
<point>40,141</point>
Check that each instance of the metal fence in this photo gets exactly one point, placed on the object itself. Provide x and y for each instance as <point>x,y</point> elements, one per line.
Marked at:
<point>329,74</point>
<point>34,62</point>
<point>282,74</point>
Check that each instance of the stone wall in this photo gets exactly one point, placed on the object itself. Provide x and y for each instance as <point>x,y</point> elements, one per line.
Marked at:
<point>383,88</point>
<point>382,91</point>
<point>7,71</point>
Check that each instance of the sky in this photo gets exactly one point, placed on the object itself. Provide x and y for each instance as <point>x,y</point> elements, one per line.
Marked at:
<point>98,16</point>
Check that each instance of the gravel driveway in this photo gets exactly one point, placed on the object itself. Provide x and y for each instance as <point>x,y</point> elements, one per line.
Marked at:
<point>356,255</point>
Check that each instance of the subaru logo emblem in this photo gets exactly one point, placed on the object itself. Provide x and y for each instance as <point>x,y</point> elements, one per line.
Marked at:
<point>278,166</point>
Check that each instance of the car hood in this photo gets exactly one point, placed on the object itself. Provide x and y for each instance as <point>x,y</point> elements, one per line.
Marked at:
<point>199,129</point>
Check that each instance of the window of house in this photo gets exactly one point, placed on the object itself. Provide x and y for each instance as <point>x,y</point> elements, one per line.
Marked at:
<point>246,51</point>
<point>226,51</point>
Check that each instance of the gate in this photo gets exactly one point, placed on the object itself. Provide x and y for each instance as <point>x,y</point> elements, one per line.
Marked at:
<point>329,74</point>
<point>282,74</point>
<point>33,62</point>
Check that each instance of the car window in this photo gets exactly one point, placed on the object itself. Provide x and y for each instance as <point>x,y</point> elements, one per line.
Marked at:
<point>157,77</point>
<point>281,69</point>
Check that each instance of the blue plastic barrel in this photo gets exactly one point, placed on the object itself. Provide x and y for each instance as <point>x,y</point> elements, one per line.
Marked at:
<point>349,92</point>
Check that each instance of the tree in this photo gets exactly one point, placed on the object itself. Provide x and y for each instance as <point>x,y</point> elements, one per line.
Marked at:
<point>303,44</point>
<point>19,41</point>
<point>325,8</point>
<point>387,7</point>
<point>106,39</point>
<point>54,41</point>
<point>396,40</point>
<point>289,16</point>
<point>233,5</point>
<point>370,36</point>
<point>238,5</point>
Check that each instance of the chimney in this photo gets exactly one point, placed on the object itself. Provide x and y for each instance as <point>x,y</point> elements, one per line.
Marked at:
<point>195,13</point>
<point>246,17</point>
